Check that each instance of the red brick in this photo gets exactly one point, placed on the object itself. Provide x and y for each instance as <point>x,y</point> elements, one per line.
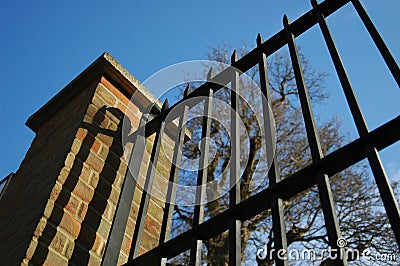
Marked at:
<point>31,249</point>
<point>130,226</point>
<point>82,210</point>
<point>98,101</point>
<point>83,191</point>
<point>109,211</point>
<point>134,211</point>
<point>48,209</point>
<point>92,110</point>
<point>95,146</point>
<point>105,139</point>
<point>100,246</point>
<point>94,180</point>
<point>69,249</point>
<point>95,162</point>
<point>137,196</point>
<point>119,180</point>
<point>86,173</point>
<point>102,150</point>
<point>153,227</point>
<point>121,106</point>
<point>155,210</point>
<point>58,242</point>
<point>161,182</point>
<point>70,224</point>
<point>122,259</point>
<point>55,192</point>
<point>62,177</point>
<point>114,196</point>
<point>148,242</point>
<point>69,161</point>
<point>73,205</point>
<point>126,245</point>
<point>142,250</point>
<point>40,227</point>
<point>81,134</point>
<point>76,146</point>
<point>104,229</point>
<point>106,95</point>
<point>118,94</point>
<point>133,113</point>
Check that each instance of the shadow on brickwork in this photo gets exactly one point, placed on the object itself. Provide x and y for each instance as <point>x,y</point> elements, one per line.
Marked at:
<point>98,204</point>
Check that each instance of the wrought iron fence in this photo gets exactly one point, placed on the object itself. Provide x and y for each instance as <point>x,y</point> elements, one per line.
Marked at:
<point>322,167</point>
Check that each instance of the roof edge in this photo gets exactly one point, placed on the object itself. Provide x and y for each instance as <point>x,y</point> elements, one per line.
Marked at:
<point>103,65</point>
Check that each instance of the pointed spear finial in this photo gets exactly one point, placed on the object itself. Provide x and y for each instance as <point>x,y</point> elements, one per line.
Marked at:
<point>314,3</point>
<point>165,105</point>
<point>210,74</point>
<point>260,39</point>
<point>286,21</point>
<point>234,57</point>
<point>186,91</point>
<point>152,109</point>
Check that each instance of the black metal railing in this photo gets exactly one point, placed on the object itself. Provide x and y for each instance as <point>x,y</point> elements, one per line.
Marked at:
<point>322,167</point>
<point>4,183</point>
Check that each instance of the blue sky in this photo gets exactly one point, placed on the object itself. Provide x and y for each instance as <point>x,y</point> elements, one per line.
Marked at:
<point>45,44</point>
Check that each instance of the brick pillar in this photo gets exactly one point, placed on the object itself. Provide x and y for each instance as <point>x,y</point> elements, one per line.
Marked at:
<point>59,206</point>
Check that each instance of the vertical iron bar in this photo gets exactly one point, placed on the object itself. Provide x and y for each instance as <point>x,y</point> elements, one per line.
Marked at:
<point>380,44</point>
<point>324,188</point>
<point>145,200</point>
<point>342,74</point>
<point>383,184</point>
<point>385,190</point>
<point>234,193</point>
<point>117,231</point>
<point>173,178</point>
<point>195,250</point>
<point>278,219</point>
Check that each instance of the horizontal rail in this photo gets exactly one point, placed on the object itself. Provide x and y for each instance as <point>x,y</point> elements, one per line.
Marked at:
<point>337,161</point>
<point>249,60</point>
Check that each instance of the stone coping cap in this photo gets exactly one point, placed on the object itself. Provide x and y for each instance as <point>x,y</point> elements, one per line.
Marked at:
<point>105,65</point>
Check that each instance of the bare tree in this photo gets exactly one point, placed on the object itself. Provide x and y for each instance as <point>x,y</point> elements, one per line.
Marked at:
<point>362,220</point>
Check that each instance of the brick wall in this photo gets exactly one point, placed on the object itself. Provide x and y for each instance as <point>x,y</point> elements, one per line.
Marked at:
<point>59,207</point>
